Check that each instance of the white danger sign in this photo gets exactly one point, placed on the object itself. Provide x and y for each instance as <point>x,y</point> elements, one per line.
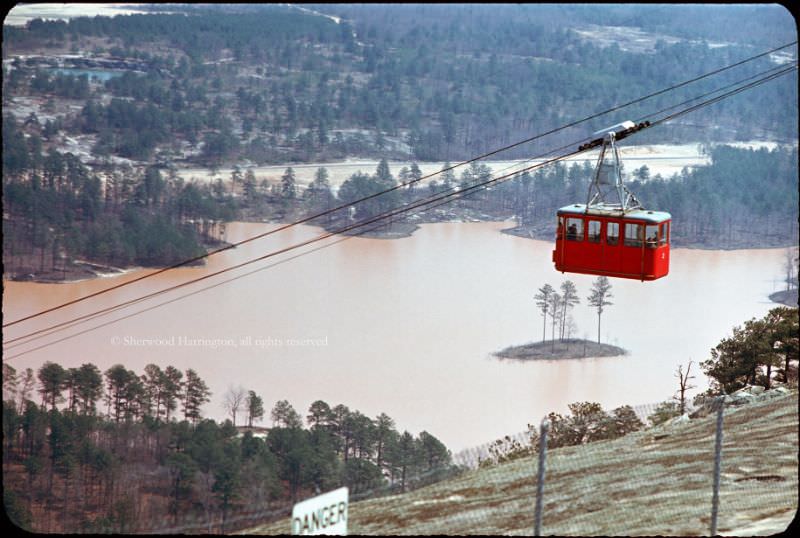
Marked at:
<point>323,514</point>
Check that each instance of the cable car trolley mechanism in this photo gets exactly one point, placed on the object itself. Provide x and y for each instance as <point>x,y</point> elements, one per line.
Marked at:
<point>612,234</point>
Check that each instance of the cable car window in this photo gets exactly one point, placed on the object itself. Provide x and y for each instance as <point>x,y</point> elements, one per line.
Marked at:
<point>634,233</point>
<point>575,229</point>
<point>593,231</point>
<point>664,239</point>
<point>612,233</point>
<point>651,233</point>
<point>560,228</point>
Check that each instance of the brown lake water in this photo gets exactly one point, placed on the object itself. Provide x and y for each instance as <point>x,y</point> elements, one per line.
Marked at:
<point>407,327</point>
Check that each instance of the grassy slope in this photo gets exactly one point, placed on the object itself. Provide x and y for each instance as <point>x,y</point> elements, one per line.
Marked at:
<point>654,482</point>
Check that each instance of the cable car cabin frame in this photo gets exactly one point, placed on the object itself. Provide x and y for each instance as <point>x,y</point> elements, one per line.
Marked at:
<point>612,234</point>
<point>610,242</point>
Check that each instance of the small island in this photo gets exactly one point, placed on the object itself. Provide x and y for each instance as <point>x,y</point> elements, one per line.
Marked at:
<point>785,297</point>
<point>573,348</point>
<point>394,230</point>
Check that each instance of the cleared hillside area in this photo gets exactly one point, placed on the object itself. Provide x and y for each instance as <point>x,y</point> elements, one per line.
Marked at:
<point>653,482</point>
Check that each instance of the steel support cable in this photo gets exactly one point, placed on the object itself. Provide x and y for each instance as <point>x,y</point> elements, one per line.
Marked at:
<point>49,330</point>
<point>731,93</point>
<point>402,209</point>
<point>291,224</point>
<point>720,89</point>
<point>396,187</point>
<point>443,198</point>
<point>89,317</point>
<point>672,107</point>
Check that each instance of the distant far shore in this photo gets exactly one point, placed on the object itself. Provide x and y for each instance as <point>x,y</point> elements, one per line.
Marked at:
<point>573,348</point>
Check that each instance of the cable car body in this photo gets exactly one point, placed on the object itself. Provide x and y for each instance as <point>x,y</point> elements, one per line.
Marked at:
<point>612,234</point>
<point>608,242</point>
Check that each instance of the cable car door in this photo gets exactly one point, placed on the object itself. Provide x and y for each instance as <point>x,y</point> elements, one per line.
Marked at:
<point>612,249</point>
<point>593,247</point>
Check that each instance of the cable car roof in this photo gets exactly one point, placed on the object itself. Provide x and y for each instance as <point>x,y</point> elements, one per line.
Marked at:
<point>611,211</point>
<point>617,128</point>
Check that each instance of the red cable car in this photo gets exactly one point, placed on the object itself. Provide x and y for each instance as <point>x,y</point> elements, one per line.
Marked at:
<point>633,244</point>
<point>616,238</point>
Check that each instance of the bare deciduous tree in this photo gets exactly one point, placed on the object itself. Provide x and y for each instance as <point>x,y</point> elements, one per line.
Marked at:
<point>233,400</point>
<point>683,385</point>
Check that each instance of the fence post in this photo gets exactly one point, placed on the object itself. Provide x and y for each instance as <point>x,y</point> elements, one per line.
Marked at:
<point>717,465</point>
<point>543,428</point>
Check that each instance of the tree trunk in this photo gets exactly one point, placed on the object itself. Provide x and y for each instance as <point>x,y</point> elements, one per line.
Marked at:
<point>598,329</point>
<point>544,327</point>
<point>66,504</point>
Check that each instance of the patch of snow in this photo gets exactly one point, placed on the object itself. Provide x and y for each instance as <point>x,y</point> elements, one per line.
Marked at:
<point>335,19</point>
<point>628,38</point>
<point>19,15</point>
<point>782,57</point>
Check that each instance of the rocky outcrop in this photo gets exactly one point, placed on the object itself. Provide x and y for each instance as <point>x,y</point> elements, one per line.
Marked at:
<point>743,396</point>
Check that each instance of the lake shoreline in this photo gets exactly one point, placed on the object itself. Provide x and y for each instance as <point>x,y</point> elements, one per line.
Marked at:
<point>85,270</point>
<point>82,270</point>
<point>77,271</point>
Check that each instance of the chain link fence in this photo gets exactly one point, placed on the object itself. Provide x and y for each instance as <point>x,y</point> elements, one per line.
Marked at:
<point>606,474</point>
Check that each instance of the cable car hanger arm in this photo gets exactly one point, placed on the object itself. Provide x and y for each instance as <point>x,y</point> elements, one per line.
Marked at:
<point>620,131</point>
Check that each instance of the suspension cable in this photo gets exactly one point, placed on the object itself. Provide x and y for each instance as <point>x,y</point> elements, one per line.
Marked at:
<point>442,198</point>
<point>396,187</point>
<point>445,195</point>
